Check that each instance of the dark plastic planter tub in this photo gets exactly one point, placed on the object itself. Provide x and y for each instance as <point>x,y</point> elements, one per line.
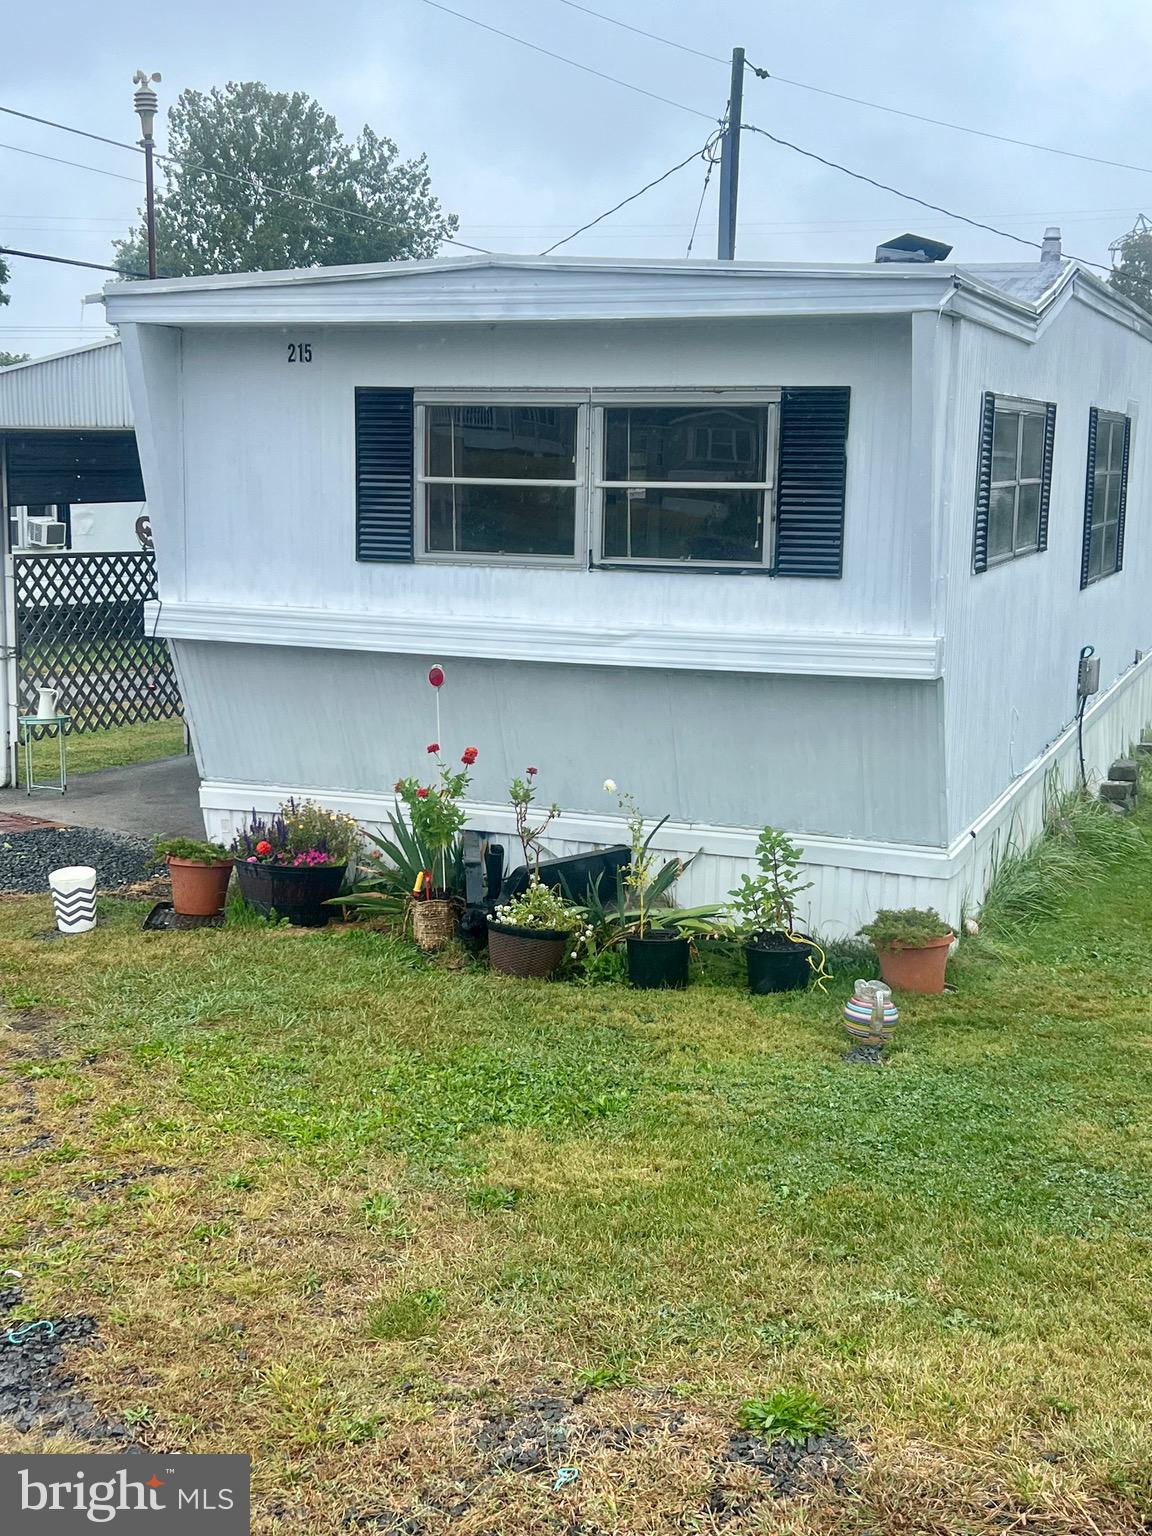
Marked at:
<point>782,967</point>
<point>287,891</point>
<point>658,961</point>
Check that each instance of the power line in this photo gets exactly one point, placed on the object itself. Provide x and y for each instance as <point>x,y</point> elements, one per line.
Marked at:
<point>250,183</point>
<point>860,101</point>
<point>938,122</point>
<point>67,261</point>
<point>82,132</point>
<point>56,160</point>
<point>908,196</point>
<point>710,157</point>
<point>696,153</point>
<point>587,68</point>
<point>640,32</point>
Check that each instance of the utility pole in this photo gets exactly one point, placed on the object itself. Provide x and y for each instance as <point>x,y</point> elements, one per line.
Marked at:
<point>730,162</point>
<point>146,106</point>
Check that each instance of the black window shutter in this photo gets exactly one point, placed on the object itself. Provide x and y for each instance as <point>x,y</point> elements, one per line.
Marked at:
<point>384,474</point>
<point>1046,471</point>
<point>1123,495</point>
<point>811,481</point>
<point>1089,494</point>
<point>984,487</point>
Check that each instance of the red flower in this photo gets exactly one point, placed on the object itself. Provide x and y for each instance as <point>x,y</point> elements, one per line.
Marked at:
<point>532,773</point>
<point>264,847</point>
<point>433,747</point>
<point>421,794</point>
<point>470,755</point>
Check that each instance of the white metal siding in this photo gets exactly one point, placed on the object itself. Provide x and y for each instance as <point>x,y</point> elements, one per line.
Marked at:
<point>1013,633</point>
<point>845,756</point>
<point>82,389</point>
<point>269,506</point>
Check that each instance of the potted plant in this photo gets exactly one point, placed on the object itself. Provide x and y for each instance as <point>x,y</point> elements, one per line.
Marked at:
<point>912,945</point>
<point>528,935</point>
<point>292,863</point>
<point>199,873</point>
<point>436,819</point>
<point>655,935</point>
<point>763,912</point>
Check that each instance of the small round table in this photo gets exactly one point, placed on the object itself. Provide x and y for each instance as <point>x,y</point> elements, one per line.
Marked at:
<point>27,726</point>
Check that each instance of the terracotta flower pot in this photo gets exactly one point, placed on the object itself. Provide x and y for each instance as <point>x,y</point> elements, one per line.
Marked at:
<point>199,890</point>
<point>916,970</point>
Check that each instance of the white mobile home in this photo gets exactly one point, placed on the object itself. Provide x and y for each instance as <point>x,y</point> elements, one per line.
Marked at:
<point>810,545</point>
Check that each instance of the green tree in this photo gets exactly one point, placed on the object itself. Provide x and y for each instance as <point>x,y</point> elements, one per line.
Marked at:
<point>280,147</point>
<point>4,275</point>
<point>1132,274</point>
<point>8,358</point>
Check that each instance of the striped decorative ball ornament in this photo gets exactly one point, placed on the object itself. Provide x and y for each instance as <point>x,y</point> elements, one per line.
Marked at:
<point>870,1015</point>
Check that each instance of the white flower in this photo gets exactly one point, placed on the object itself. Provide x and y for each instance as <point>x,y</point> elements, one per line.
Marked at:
<point>971,927</point>
<point>610,786</point>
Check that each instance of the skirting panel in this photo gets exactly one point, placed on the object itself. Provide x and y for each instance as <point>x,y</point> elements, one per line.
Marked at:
<point>851,879</point>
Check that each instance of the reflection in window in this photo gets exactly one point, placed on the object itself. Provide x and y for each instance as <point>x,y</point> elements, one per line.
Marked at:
<point>500,479</point>
<point>687,483</point>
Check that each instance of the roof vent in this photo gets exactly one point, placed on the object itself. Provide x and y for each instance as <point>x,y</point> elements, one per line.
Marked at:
<point>912,248</point>
<point>1050,250</point>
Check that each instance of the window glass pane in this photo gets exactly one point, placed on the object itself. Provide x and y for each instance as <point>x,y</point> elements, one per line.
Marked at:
<point>1108,549</point>
<point>1095,546</point>
<point>1116,459</point>
<point>1032,447</point>
<point>1028,518</point>
<point>1112,498</point>
<point>1001,516</point>
<point>502,442</point>
<point>1005,433</point>
<point>1099,496</point>
<point>502,519</point>
<point>683,525</point>
<point>694,443</point>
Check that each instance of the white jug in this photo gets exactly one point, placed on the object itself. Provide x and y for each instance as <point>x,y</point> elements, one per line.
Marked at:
<point>47,704</point>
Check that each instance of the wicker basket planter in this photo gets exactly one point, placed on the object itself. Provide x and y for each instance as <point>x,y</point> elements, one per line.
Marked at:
<point>434,923</point>
<point>525,951</point>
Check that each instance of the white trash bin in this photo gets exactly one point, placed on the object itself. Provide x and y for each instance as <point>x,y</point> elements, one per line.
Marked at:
<point>74,897</point>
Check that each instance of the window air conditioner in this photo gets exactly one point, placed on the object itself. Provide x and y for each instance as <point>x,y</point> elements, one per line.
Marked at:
<point>46,533</point>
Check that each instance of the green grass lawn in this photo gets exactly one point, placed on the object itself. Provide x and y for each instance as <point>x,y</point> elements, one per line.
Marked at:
<point>115,748</point>
<point>339,1207</point>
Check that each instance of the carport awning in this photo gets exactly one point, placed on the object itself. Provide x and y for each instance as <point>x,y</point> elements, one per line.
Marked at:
<point>46,468</point>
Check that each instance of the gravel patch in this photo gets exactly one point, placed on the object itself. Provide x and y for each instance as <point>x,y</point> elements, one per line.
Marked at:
<point>789,1467</point>
<point>864,1056</point>
<point>27,858</point>
<point>35,1393</point>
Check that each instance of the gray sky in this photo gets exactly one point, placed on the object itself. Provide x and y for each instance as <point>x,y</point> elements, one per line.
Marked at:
<point>525,148</point>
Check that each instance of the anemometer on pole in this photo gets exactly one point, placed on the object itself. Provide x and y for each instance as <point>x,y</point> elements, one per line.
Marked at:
<point>146,105</point>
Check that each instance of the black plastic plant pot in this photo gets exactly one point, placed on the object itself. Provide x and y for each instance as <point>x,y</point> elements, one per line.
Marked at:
<point>780,966</point>
<point>575,873</point>
<point>296,893</point>
<point>658,961</point>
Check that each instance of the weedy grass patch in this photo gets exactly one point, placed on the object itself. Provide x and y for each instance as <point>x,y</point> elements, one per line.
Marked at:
<point>369,1218</point>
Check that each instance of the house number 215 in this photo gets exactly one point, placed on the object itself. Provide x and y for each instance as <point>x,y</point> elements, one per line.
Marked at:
<point>299,351</point>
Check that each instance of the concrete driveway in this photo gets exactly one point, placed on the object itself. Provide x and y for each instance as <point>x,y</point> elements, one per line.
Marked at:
<point>157,799</point>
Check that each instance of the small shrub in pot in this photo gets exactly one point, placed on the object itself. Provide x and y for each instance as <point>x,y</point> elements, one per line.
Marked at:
<point>912,945</point>
<point>199,872</point>
<point>762,910</point>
